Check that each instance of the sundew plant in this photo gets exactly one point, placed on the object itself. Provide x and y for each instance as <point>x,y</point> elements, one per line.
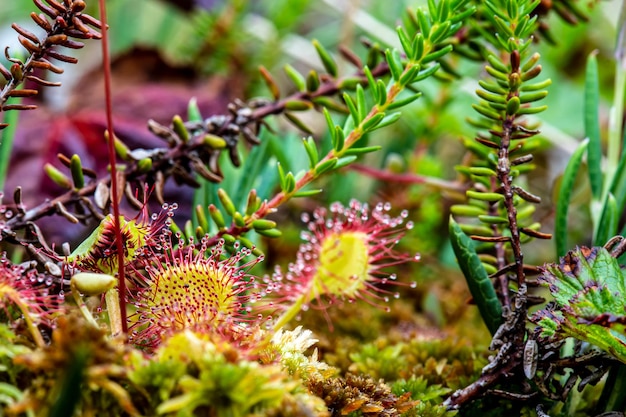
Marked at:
<point>312,208</point>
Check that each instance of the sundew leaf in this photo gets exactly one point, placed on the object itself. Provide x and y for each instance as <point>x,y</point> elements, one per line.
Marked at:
<point>588,287</point>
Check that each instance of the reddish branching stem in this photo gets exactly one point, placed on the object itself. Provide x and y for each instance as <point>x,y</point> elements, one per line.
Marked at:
<point>106,63</point>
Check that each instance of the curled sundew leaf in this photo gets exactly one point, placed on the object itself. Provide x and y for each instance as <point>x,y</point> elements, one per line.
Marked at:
<point>588,287</point>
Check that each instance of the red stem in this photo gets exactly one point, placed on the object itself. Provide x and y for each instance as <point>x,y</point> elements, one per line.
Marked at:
<point>106,62</point>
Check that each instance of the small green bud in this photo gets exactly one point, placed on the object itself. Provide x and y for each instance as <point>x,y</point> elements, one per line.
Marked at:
<point>296,77</point>
<point>229,239</point>
<point>312,81</point>
<point>253,203</point>
<point>179,127</point>
<point>467,210</point>
<point>271,83</point>
<point>512,106</point>
<point>227,203</point>
<point>57,176</point>
<point>239,220</point>
<point>493,219</point>
<point>298,105</point>
<point>471,229</point>
<point>484,196</point>
<point>217,217</point>
<point>262,224</point>
<point>203,223</point>
<point>329,63</point>
<point>273,233</point>
<point>214,141</point>
<point>76,169</point>
<point>144,165</point>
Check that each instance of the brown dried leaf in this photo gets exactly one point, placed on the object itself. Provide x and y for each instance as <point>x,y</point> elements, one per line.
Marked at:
<point>25,33</point>
<point>101,195</point>
<point>43,82</point>
<point>46,9</point>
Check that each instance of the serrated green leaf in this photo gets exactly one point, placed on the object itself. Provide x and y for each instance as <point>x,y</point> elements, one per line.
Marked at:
<point>588,286</point>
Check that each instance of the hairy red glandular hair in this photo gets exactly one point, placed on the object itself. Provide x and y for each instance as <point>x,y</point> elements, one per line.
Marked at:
<point>201,289</point>
<point>344,257</point>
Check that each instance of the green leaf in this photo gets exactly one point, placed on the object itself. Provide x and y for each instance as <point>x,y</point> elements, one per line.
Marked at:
<point>311,151</point>
<point>307,193</point>
<point>437,54</point>
<point>327,60</point>
<point>389,119</point>
<point>592,126</point>
<point>478,280</point>
<point>395,63</point>
<point>588,287</point>
<point>373,122</point>
<point>361,103</point>
<point>381,92</point>
<point>361,151</point>
<point>565,192</point>
<point>371,81</point>
<point>338,139</point>
<point>608,221</point>
<point>76,168</point>
<point>424,23</point>
<point>346,160</point>
<point>295,76</point>
<point>440,32</point>
<point>406,43</point>
<point>226,201</point>
<point>325,166</point>
<point>352,108</point>
<point>193,111</point>
<point>404,101</point>
<point>618,186</point>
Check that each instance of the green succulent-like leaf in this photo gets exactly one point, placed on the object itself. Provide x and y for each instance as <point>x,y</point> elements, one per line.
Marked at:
<point>588,287</point>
